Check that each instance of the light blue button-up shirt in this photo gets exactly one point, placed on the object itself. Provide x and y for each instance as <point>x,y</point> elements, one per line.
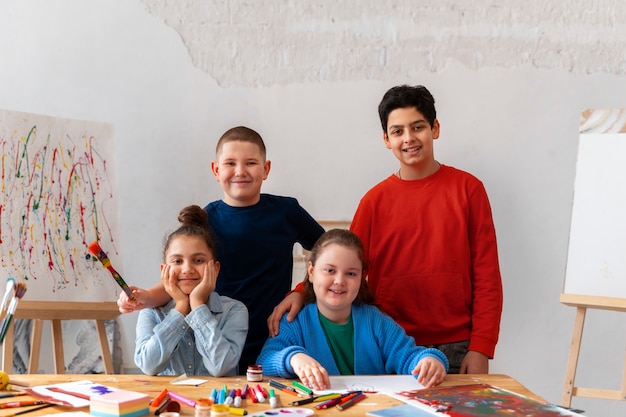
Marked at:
<point>208,341</point>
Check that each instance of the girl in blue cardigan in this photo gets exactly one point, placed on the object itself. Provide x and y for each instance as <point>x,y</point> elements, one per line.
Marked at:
<point>339,317</point>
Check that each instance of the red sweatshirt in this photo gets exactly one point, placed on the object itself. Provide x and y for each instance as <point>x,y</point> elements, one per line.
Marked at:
<point>434,260</point>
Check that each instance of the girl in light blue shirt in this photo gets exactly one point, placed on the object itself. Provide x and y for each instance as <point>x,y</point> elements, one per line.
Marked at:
<point>198,332</point>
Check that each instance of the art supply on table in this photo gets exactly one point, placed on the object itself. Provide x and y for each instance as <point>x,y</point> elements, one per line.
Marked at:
<point>350,402</point>
<point>230,398</point>
<point>237,399</point>
<point>182,399</point>
<point>252,394</point>
<point>12,394</point>
<point>20,290</point>
<point>203,410</point>
<point>17,404</point>
<point>119,403</point>
<point>167,405</point>
<point>220,410</point>
<point>159,399</point>
<point>273,400</point>
<point>4,380</point>
<point>304,401</point>
<point>221,396</point>
<point>285,388</point>
<point>479,400</point>
<point>304,389</point>
<point>96,250</point>
<point>404,410</point>
<point>237,411</point>
<point>28,410</point>
<point>283,411</point>
<point>254,373</point>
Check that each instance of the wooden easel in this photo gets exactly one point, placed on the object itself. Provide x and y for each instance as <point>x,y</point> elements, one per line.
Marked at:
<point>582,303</point>
<point>55,311</point>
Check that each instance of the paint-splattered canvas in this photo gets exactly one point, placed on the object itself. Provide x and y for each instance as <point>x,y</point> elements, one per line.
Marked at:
<point>59,194</point>
<point>479,400</point>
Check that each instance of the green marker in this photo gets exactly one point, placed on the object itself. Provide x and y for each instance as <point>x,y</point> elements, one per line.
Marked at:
<point>301,387</point>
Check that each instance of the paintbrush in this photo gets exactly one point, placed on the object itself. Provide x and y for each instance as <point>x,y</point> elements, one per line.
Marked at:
<point>10,290</point>
<point>16,404</point>
<point>96,250</point>
<point>28,410</point>
<point>20,290</point>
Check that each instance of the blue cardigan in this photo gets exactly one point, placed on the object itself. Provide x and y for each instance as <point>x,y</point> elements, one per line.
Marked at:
<point>381,346</point>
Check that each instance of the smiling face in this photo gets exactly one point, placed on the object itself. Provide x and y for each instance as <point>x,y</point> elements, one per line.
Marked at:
<point>410,137</point>
<point>240,169</point>
<point>187,257</point>
<point>336,279</point>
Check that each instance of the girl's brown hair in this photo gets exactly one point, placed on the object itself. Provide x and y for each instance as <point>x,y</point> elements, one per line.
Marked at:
<point>193,222</point>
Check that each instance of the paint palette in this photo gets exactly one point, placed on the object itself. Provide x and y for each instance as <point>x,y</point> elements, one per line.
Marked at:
<point>283,412</point>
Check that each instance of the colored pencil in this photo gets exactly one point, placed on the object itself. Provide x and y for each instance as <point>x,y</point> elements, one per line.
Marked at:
<point>350,402</point>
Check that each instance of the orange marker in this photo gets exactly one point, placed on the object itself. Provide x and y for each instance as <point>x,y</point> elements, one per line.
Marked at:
<point>159,398</point>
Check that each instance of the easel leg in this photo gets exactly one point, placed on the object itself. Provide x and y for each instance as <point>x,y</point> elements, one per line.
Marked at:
<point>623,394</point>
<point>104,346</point>
<point>57,347</point>
<point>7,349</point>
<point>572,361</point>
<point>35,346</point>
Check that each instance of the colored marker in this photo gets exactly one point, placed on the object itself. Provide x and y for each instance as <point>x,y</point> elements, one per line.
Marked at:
<point>253,396</point>
<point>237,399</point>
<point>221,396</point>
<point>238,411</point>
<point>273,400</point>
<point>231,397</point>
<point>187,401</point>
<point>280,385</point>
<point>259,394</point>
<point>302,388</point>
<point>244,392</point>
<point>259,388</point>
<point>159,398</point>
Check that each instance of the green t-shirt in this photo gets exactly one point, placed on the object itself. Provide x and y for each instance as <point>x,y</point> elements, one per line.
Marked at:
<point>340,338</point>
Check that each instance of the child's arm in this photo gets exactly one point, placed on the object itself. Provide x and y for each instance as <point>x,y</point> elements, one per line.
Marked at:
<point>429,371</point>
<point>474,363</point>
<point>292,303</point>
<point>311,373</point>
<point>150,298</point>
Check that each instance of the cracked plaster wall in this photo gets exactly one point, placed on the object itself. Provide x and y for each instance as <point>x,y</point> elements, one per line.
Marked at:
<point>264,43</point>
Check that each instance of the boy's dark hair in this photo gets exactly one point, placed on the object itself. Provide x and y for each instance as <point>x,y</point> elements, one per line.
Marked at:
<point>403,96</point>
<point>348,240</point>
<point>193,222</point>
<point>242,134</point>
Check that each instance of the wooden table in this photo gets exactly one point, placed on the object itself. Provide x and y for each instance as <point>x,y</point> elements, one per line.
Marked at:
<point>153,385</point>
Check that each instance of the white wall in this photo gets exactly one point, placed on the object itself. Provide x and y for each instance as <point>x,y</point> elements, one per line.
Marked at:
<point>509,83</point>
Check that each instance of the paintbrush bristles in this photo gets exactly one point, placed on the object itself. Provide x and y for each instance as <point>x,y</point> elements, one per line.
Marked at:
<point>97,251</point>
<point>20,290</point>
